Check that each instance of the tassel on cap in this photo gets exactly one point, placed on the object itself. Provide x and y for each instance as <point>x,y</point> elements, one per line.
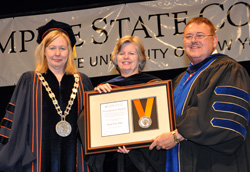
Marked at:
<point>74,52</point>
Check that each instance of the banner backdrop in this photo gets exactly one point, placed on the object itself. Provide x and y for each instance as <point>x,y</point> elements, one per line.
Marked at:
<point>159,24</point>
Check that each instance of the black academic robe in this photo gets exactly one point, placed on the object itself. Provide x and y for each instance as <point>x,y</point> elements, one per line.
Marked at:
<point>28,140</point>
<point>137,160</point>
<point>215,119</point>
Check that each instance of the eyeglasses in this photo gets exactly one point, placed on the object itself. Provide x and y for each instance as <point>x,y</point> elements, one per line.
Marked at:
<point>198,36</point>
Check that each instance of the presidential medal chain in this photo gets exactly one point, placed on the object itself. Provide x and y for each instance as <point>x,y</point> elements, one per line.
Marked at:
<point>63,128</point>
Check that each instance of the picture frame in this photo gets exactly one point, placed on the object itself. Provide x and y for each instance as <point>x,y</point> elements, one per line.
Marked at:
<point>128,116</point>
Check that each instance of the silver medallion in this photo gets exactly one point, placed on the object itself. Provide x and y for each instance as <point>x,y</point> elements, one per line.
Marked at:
<point>63,128</point>
<point>145,122</point>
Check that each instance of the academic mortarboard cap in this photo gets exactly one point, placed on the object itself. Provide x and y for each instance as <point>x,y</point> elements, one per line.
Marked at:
<point>56,25</point>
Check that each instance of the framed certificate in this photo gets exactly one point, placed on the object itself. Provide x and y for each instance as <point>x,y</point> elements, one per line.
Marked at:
<point>130,115</point>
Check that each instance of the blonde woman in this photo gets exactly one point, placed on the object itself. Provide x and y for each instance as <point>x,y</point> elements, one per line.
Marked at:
<point>39,130</point>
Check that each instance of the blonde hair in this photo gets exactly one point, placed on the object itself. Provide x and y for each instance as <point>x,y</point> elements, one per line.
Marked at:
<point>138,46</point>
<point>41,62</point>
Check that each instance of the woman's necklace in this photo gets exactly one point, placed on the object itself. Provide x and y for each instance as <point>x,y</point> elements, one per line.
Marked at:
<point>63,128</point>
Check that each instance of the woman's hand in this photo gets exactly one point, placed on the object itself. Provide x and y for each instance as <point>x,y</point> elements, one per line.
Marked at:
<point>103,88</point>
<point>123,150</point>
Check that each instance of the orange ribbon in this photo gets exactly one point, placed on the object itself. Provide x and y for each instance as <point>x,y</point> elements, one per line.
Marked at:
<point>148,109</point>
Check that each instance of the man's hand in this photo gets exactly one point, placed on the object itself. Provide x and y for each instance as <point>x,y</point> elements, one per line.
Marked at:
<point>165,141</point>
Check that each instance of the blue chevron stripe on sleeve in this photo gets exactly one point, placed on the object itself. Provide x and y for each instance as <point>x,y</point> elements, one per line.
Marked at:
<point>232,91</point>
<point>229,125</point>
<point>231,108</point>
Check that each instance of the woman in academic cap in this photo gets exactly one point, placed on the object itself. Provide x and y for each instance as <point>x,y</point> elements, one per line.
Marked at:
<point>129,59</point>
<point>39,130</point>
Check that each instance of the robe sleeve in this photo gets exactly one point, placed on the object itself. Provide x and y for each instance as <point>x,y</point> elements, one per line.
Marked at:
<point>216,112</point>
<point>80,122</point>
<point>87,84</point>
<point>14,149</point>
